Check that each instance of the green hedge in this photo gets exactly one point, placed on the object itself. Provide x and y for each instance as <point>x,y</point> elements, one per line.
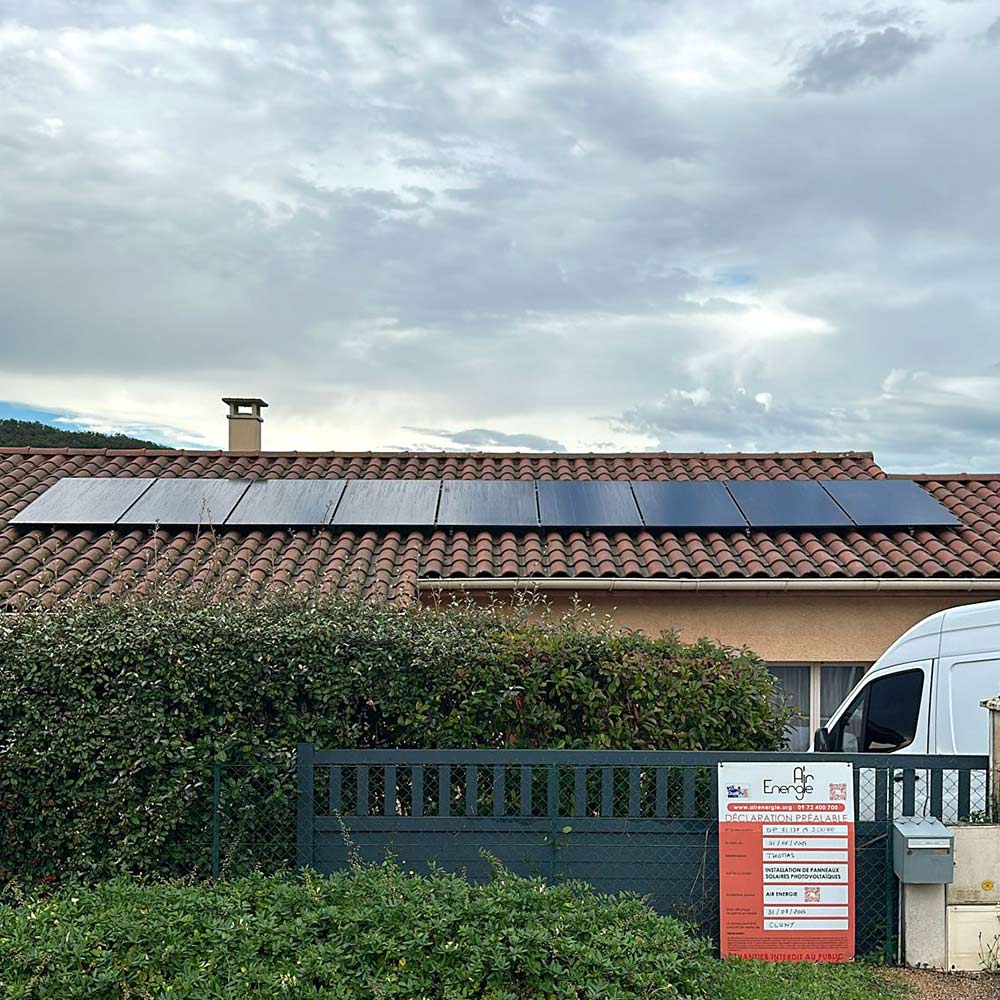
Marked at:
<point>376,933</point>
<point>370,933</point>
<point>111,714</point>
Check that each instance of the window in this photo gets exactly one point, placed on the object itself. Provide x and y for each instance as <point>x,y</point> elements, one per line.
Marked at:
<point>883,717</point>
<point>794,683</point>
<point>815,691</point>
<point>835,684</point>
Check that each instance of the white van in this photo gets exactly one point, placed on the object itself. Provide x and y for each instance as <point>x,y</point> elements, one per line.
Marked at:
<point>923,694</point>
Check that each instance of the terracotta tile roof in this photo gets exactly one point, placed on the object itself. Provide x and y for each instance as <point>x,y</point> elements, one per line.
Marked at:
<point>50,564</point>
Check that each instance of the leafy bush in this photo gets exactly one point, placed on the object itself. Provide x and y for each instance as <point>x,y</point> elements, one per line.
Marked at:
<point>111,714</point>
<point>373,932</point>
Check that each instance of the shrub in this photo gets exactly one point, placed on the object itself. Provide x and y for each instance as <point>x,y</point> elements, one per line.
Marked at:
<point>373,932</point>
<point>111,714</point>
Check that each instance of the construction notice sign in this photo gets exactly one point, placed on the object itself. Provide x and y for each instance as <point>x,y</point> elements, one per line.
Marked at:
<point>786,861</point>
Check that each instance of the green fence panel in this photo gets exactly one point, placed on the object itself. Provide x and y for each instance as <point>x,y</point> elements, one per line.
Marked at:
<point>644,822</point>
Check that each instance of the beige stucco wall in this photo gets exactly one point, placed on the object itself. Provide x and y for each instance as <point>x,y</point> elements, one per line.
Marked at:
<point>781,627</point>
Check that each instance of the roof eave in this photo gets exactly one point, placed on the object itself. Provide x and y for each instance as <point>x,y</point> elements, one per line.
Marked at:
<point>861,585</point>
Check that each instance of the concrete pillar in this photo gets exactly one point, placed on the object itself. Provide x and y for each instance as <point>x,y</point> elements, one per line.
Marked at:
<point>925,939</point>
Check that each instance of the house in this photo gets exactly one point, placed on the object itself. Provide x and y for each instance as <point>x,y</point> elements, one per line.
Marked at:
<point>818,604</point>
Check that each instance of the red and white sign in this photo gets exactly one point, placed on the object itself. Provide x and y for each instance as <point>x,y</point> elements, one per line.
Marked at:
<point>786,861</point>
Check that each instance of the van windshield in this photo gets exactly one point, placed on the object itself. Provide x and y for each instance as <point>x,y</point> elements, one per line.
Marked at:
<point>883,717</point>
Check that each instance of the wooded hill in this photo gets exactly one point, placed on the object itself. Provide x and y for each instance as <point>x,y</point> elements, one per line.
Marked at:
<point>31,433</point>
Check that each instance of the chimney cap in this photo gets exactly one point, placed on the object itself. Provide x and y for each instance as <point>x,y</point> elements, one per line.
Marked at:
<point>243,401</point>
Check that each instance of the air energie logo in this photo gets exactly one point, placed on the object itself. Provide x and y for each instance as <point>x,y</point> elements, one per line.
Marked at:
<point>800,787</point>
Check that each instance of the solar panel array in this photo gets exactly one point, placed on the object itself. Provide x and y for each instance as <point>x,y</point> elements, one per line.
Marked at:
<point>489,504</point>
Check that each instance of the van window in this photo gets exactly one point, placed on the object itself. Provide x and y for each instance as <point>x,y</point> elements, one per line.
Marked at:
<point>883,717</point>
<point>893,711</point>
<point>851,726</point>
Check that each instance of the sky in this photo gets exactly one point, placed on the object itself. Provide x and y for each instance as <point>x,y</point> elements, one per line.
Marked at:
<point>591,225</point>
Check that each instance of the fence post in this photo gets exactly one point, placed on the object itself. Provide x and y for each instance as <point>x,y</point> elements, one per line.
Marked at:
<point>216,794</point>
<point>304,816</point>
<point>890,891</point>
<point>993,803</point>
<point>552,810</point>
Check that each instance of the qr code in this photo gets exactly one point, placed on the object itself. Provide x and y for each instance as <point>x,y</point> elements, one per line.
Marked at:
<point>838,792</point>
<point>812,893</point>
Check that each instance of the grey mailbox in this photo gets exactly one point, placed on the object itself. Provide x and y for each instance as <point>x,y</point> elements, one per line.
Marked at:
<point>923,851</point>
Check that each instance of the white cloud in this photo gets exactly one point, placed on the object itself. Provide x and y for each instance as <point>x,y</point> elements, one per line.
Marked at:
<point>756,320</point>
<point>50,127</point>
<point>601,225</point>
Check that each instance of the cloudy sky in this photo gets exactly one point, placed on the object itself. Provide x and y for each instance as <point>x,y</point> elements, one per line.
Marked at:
<point>578,225</point>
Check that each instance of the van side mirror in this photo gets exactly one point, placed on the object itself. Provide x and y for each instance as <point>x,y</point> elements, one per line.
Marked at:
<point>821,740</point>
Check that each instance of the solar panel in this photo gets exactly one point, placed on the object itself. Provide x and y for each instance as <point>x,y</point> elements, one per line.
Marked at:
<point>397,503</point>
<point>587,505</point>
<point>479,503</point>
<point>681,505</point>
<point>787,504</point>
<point>186,502</point>
<point>83,501</point>
<point>489,504</point>
<point>889,503</point>
<point>289,502</point>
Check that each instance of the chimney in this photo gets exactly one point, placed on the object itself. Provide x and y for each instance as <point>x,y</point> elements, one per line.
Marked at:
<point>244,423</point>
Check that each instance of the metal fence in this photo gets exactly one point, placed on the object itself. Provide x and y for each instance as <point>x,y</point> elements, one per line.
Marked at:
<point>619,820</point>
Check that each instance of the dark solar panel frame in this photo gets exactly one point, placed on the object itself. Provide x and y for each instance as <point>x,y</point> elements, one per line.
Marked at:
<point>605,504</point>
<point>678,505</point>
<point>388,503</point>
<point>889,503</point>
<point>287,502</point>
<point>83,500</point>
<point>488,503</point>
<point>788,504</point>
<point>179,502</point>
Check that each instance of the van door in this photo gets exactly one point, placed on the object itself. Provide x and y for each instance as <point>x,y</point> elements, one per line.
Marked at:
<point>889,714</point>
<point>965,681</point>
